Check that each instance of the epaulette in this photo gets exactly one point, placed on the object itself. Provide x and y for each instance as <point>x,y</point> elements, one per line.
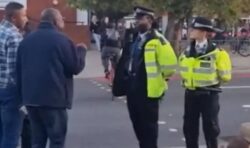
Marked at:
<point>161,38</point>
<point>217,46</point>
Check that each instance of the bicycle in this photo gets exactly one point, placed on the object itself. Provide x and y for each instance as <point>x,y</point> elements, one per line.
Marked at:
<point>241,47</point>
<point>244,49</point>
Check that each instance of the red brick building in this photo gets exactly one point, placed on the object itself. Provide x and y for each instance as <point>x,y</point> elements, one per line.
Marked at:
<point>76,20</point>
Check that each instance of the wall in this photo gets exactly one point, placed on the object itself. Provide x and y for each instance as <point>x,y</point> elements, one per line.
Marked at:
<point>78,33</point>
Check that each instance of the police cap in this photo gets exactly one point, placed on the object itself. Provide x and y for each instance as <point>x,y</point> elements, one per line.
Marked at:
<point>203,24</point>
<point>142,11</point>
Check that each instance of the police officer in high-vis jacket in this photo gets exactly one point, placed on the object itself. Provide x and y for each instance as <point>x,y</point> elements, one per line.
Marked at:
<point>203,68</point>
<point>146,65</point>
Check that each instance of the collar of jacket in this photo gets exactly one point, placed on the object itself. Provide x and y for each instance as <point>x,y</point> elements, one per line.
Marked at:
<point>192,53</point>
<point>9,24</point>
<point>46,25</point>
<point>149,36</point>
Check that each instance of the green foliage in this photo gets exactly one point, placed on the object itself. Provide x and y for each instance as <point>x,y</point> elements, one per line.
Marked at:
<point>228,10</point>
<point>103,5</point>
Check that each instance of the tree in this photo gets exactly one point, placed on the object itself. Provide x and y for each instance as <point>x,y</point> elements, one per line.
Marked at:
<point>226,11</point>
<point>114,9</point>
<point>178,11</point>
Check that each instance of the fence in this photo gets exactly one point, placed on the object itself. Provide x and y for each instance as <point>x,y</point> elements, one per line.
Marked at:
<point>235,46</point>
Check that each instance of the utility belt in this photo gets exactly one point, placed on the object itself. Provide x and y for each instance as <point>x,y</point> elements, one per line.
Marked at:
<point>205,90</point>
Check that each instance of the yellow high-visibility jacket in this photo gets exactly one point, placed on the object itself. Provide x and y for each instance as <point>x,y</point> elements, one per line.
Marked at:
<point>209,69</point>
<point>160,61</point>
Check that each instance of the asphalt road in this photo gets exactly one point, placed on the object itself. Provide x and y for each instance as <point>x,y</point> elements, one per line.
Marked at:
<point>97,122</point>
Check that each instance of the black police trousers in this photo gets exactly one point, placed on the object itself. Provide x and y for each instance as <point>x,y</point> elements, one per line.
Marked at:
<point>144,114</point>
<point>48,124</point>
<point>206,105</point>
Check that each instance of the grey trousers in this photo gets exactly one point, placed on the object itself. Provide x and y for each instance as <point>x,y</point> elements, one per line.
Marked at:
<point>110,54</point>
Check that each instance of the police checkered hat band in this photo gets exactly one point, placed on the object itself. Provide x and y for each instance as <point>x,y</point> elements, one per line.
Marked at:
<point>202,24</point>
<point>143,11</point>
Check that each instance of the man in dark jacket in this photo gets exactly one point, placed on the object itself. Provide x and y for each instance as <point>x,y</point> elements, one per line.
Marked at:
<point>26,130</point>
<point>47,61</point>
<point>147,62</point>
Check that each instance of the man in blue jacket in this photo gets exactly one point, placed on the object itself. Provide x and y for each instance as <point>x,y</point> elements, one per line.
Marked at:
<point>47,61</point>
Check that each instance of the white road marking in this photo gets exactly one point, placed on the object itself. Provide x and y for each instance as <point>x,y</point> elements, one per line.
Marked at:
<point>173,130</point>
<point>94,82</point>
<point>162,122</point>
<point>125,101</point>
<point>108,90</point>
<point>201,146</point>
<point>121,98</point>
<point>99,84</point>
<point>102,87</point>
<point>235,87</point>
<point>246,106</point>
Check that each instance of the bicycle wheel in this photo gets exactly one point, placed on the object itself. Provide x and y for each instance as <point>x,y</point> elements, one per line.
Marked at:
<point>234,49</point>
<point>244,51</point>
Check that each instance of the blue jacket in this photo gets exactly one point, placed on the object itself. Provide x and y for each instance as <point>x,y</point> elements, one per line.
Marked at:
<point>46,63</point>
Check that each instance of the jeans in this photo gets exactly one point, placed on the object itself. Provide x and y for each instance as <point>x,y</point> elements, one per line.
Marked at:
<point>48,124</point>
<point>11,118</point>
<point>97,38</point>
<point>26,133</point>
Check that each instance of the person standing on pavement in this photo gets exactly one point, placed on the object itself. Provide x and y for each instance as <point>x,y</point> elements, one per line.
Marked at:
<point>111,49</point>
<point>104,23</point>
<point>203,68</point>
<point>149,63</point>
<point>95,30</point>
<point>47,61</point>
<point>26,129</point>
<point>10,114</point>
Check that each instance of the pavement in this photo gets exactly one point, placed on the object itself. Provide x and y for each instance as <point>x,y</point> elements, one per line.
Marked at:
<point>97,122</point>
<point>94,67</point>
<point>240,64</point>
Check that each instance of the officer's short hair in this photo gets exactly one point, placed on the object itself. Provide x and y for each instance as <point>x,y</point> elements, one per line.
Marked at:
<point>11,8</point>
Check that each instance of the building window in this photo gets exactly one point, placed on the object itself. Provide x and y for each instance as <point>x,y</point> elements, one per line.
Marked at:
<point>81,17</point>
<point>3,3</point>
